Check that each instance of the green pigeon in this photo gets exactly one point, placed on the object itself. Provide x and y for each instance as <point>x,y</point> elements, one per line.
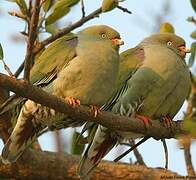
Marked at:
<point>155,90</point>
<point>86,74</point>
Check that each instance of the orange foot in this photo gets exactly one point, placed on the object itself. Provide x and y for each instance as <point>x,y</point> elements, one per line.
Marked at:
<point>144,119</point>
<point>95,110</point>
<point>72,101</point>
<point>167,121</point>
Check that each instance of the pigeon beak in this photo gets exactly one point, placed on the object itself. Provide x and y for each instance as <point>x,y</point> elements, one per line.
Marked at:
<point>117,41</point>
<point>183,49</point>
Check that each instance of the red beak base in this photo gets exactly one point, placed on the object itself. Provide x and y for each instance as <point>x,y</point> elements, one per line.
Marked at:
<point>184,49</point>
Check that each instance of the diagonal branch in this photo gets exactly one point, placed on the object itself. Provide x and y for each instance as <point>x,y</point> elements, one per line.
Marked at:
<point>107,119</point>
<point>124,9</point>
<point>47,41</point>
<point>66,30</point>
<point>31,40</point>
<point>19,70</point>
<point>137,154</point>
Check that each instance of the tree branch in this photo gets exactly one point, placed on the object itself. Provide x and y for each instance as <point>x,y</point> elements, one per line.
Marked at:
<point>137,154</point>
<point>188,159</point>
<point>124,9</point>
<point>186,140</point>
<point>66,30</point>
<point>50,166</point>
<point>18,15</point>
<point>31,40</point>
<point>107,119</point>
<point>63,32</point>
<point>19,70</point>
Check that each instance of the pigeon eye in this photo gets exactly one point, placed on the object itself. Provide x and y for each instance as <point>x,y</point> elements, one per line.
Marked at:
<point>169,43</point>
<point>103,35</point>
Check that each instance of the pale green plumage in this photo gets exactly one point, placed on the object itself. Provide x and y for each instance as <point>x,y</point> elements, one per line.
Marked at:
<point>158,87</point>
<point>57,55</point>
<point>162,82</point>
<point>87,71</point>
<point>91,85</point>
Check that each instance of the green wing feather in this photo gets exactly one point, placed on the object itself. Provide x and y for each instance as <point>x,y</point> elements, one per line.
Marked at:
<point>53,59</point>
<point>130,60</point>
<point>46,66</point>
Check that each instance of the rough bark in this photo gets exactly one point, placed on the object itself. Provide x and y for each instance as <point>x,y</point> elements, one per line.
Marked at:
<point>52,166</point>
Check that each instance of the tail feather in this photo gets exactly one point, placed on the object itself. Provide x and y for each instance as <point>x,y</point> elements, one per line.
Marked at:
<point>102,143</point>
<point>24,134</point>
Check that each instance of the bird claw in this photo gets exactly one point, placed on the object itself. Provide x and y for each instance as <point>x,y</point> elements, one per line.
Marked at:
<point>144,119</point>
<point>95,110</point>
<point>72,101</point>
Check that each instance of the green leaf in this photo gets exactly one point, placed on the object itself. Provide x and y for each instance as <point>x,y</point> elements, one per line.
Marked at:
<point>190,126</point>
<point>1,52</point>
<point>67,3</point>
<point>56,15</point>
<point>193,3</point>
<point>108,5</point>
<point>52,29</point>
<point>75,147</point>
<point>166,28</point>
<point>192,57</point>
<point>60,9</point>
<point>193,34</point>
<point>47,5</point>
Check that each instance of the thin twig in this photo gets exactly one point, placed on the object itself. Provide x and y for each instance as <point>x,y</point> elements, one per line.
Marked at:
<point>59,146</point>
<point>73,26</point>
<point>66,30</point>
<point>131,149</point>
<point>19,70</point>
<point>166,153</point>
<point>124,9</point>
<point>188,160</point>
<point>18,15</point>
<point>31,40</point>
<point>186,140</point>
<point>30,7</point>
<point>137,154</point>
<point>4,107</point>
<point>82,8</point>
<point>7,69</point>
<point>29,14</point>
